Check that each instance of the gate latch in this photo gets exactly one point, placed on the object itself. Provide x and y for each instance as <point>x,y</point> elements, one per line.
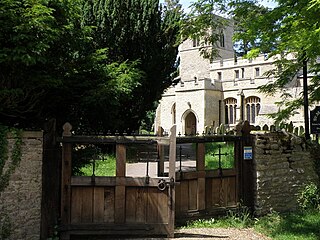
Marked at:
<point>163,184</point>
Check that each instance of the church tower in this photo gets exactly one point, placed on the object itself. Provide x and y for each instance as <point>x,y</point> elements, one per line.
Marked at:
<point>193,103</point>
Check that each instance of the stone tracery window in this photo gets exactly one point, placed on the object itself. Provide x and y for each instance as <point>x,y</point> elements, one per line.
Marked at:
<point>230,110</point>
<point>252,108</point>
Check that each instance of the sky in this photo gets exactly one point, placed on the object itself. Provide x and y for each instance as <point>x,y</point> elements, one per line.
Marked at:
<point>267,3</point>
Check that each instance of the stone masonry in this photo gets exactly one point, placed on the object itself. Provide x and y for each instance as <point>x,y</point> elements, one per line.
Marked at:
<point>21,200</point>
<point>283,166</point>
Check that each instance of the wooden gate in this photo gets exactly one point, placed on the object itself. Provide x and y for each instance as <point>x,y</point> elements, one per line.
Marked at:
<point>117,205</point>
<point>202,192</point>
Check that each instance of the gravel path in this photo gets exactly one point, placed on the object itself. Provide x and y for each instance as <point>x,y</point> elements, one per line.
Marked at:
<point>212,234</point>
<point>219,233</point>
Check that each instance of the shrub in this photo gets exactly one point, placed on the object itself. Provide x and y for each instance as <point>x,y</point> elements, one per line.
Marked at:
<point>309,197</point>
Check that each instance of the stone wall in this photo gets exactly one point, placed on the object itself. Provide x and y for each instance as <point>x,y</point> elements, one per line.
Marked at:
<point>283,166</point>
<point>20,202</point>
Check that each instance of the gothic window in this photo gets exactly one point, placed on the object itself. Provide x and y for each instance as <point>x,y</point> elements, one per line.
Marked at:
<point>219,76</point>
<point>173,113</point>
<point>252,108</point>
<point>221,38</point>
<point>236,74</point>
<point>242,72</point>
<point>230,110</point>
<point>257,72</point>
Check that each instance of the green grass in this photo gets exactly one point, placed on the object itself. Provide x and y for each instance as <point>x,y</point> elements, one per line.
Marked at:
<point>300,225</point>
<point>303,225</point>
<point>106,167</point>
<point>212,159</point>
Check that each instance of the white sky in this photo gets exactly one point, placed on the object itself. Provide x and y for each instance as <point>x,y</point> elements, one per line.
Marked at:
<point>267,3</point>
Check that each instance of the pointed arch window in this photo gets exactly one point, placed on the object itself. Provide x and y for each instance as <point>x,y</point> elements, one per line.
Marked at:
<point>252,108</point>
<point>173,113</point>
<point>221,39</point>
<point>230,110</point>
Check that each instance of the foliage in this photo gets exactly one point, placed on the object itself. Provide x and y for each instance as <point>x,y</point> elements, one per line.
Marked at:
<point>309,197</point>
<point>97,64</point>
<point>290,33</point>
<point>81,156</point>
<point>212,159</point>
<point>137,30</point>
<point>237,218</point>
<point>242,13</point>
<point>296,225</point>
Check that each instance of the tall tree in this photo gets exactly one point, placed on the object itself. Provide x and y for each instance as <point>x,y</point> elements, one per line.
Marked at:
<point>138,30</point>
<point>244,13</point>
<point>66,60</point>
<point>290,32</point>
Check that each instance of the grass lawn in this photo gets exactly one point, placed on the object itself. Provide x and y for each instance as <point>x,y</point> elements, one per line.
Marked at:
<point>303,225</point>
<point>106,167</point>
<point>298,225</point>
<point>212,159</point>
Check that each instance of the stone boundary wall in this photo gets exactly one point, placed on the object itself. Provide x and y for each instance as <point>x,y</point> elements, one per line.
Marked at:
<point>283,166</point>
<point>20,202</point>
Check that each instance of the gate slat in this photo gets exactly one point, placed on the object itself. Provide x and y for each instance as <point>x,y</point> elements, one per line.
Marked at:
<point>193,184</point>
<point>141,205</point>
<point>152,212</point>
<point>86,209</point>
<point>76,205</point>
<point>163,206</point>
<point>131,204</point>
<point>109,205</point>
<point>98,204</point>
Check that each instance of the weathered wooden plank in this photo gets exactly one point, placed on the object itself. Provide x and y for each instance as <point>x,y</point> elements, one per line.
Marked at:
<point>200,157</point>
<point>216,187</point>
<point>109,205</point>
<point>209,190</point>
<point>112,181</point>
<point>163,211</point>
<point>223,192</point>
<point>231,195</point>
<point>121,160</point>
<point>131,205</point>
<point>122,230</point>
<point>98,204</point>
<point>152,210</point>
<point>201,194</point>
<point>215,173</point>
<point>141,205</point>
<point>178,199</point>
<point>65,183</point>
<point>120,204</point>
<point>172,176</point>
<point>184,195</point>
<point>76,205</point>
<point>86,209</point>
<point>193,185</point>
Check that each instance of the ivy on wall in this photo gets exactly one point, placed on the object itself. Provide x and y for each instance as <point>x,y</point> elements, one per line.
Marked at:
<point>5,173</point>
<point>15,155</point>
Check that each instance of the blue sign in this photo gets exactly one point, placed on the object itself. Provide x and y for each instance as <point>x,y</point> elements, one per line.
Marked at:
<point>247,153</point>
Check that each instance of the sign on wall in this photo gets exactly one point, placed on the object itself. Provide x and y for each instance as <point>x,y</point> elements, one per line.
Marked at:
<point>247,153</point>
<point>315,120</point>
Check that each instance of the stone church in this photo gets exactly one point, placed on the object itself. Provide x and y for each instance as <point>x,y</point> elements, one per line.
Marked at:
<point>223,91</point>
